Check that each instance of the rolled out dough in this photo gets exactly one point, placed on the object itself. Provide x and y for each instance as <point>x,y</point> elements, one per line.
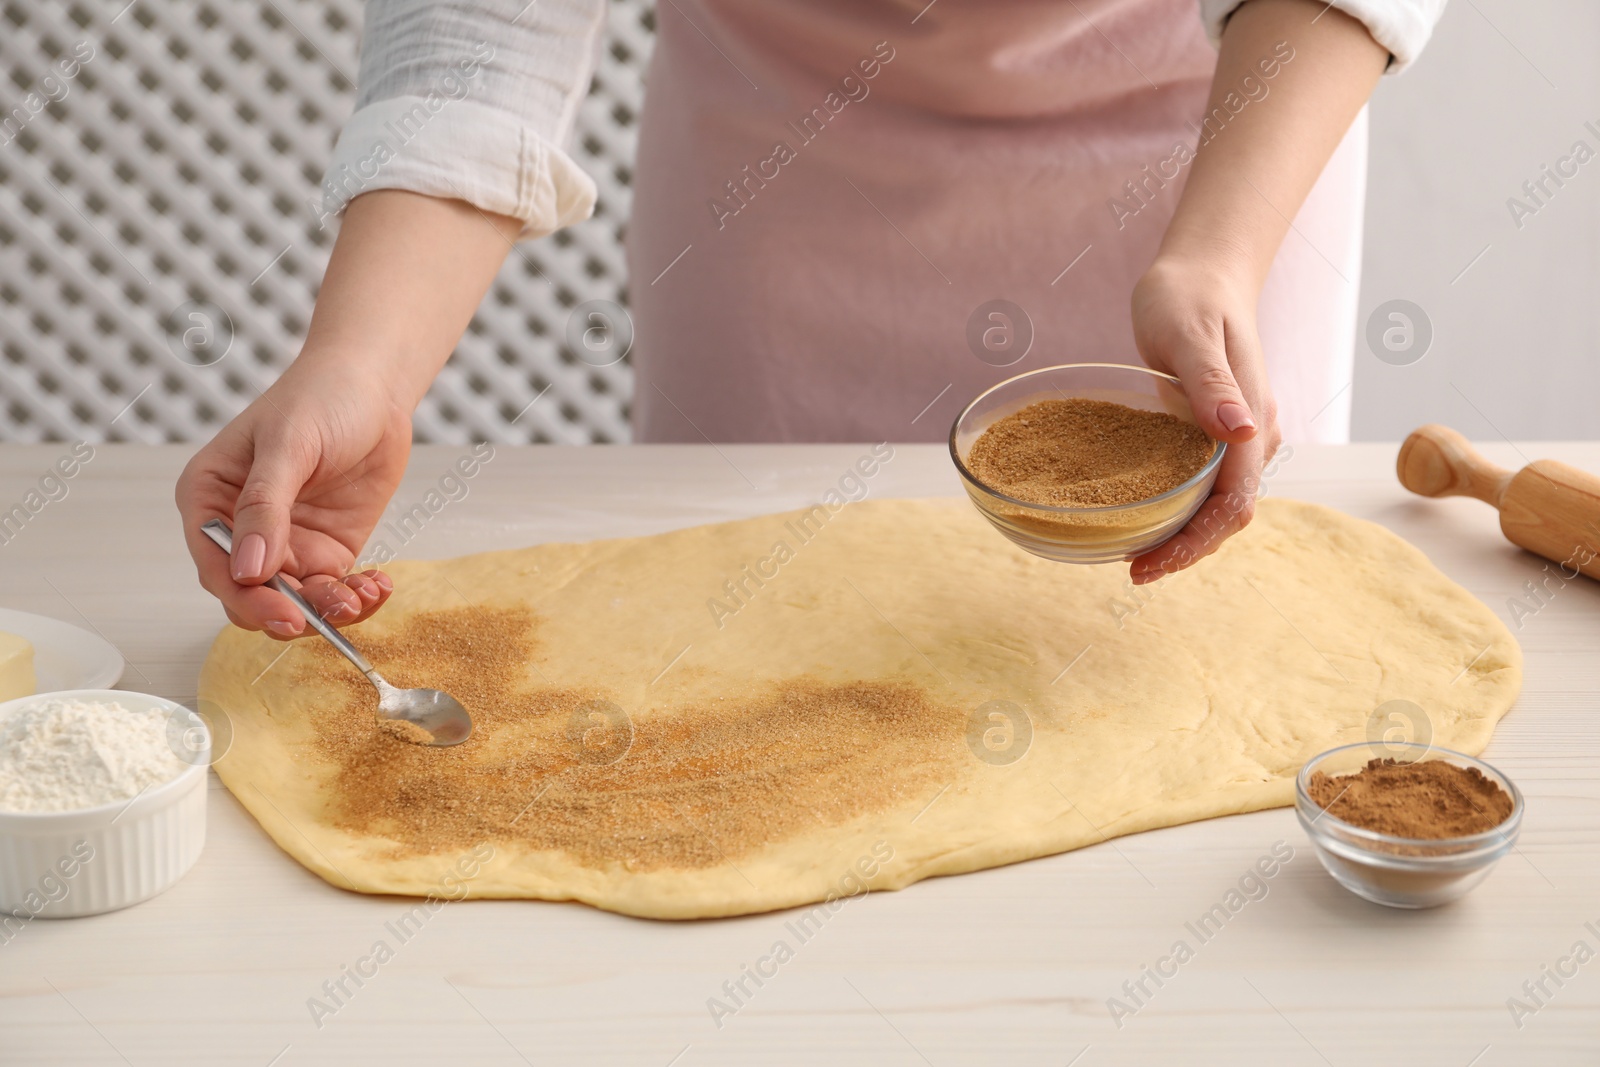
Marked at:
<point>881,695</point>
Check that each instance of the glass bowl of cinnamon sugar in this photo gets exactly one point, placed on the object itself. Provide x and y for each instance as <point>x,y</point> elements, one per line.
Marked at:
<point>1085,462</point>
<point>1407,825</point>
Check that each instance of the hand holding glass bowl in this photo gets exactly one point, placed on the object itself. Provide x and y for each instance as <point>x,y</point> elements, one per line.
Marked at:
<point>1073,534</point>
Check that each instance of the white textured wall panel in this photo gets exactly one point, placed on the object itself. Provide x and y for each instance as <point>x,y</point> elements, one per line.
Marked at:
<point>171,176</point>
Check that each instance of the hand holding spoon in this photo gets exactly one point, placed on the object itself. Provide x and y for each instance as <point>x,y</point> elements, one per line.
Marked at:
<point>440,714</point>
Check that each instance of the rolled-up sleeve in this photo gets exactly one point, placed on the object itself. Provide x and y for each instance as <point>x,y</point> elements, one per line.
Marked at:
<point>1401,26</point>
<point>473,101</point>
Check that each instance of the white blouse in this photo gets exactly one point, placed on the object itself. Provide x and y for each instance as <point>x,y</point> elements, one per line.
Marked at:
<point>507,77</point>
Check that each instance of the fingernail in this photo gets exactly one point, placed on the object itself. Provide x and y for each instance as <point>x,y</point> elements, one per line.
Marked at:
<point>249,557</point>
<point>1235,416</point>
<point>383,581</point>
<point>363,585</point>
<point>349,603</point>
<point>281,628</point>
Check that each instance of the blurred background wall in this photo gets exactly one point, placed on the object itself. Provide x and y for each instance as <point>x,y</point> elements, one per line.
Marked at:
<point>160,248</point>
<point>1503,90</point>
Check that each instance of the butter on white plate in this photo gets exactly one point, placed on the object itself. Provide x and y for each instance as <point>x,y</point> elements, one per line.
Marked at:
<point>16,667</point>
<point>64,656</point>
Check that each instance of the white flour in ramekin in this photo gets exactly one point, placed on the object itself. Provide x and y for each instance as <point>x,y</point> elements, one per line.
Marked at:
<point>65,755</point>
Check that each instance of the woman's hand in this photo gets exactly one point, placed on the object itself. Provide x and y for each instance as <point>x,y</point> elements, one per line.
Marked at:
<point>302,475</point>
<point>1306,71</point>
<point>1198,322</point>
<point>305,472</point>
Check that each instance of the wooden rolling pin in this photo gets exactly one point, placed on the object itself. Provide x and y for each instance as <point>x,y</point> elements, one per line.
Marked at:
<point>1547,507</point>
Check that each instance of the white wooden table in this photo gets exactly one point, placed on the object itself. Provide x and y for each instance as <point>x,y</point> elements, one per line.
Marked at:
<point>1006,966</point>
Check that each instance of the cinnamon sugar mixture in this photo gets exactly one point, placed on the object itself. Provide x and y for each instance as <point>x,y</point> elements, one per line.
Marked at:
<point>1434,799</point>
<point>403,730</point>
<point>1088,453</point>
<point>697,786</point>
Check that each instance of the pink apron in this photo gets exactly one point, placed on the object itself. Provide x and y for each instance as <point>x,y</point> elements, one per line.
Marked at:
<point>828,191</point>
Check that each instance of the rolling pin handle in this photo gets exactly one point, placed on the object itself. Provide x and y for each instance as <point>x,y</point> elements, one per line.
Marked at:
<point>1437,461</point>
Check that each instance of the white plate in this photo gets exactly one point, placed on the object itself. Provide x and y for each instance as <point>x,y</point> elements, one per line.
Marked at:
<point>65,656</point>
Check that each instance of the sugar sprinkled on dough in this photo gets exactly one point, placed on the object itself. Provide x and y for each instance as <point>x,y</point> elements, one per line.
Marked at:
<point>698,786</point>
<point>404,730</point>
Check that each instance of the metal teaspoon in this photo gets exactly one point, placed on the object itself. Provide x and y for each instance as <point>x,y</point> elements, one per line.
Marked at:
<point>440,714</point>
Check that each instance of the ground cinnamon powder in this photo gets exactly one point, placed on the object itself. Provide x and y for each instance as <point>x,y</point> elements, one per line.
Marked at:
<point>695,785</point>
<point>1084,453</point>
<point>1432,799</point>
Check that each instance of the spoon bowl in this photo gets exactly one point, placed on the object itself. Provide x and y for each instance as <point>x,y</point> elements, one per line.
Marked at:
<point>438,713</point>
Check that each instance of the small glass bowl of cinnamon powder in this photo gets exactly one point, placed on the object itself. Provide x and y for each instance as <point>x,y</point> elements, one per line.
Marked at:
<point>1086,462</point>
<point>1407,825</point>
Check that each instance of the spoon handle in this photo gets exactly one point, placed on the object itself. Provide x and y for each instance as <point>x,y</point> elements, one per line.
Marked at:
<point>219,532</point>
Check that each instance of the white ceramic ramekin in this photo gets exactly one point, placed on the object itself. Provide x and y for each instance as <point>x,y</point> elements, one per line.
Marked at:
<point>57,865</point>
